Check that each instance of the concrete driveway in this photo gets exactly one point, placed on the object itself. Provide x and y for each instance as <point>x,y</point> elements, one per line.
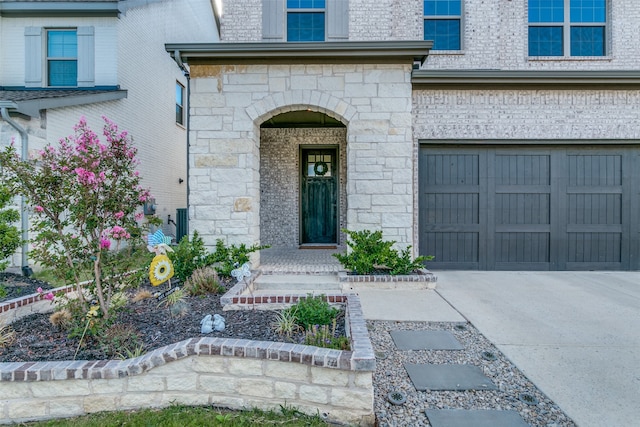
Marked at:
<point>576,335</point>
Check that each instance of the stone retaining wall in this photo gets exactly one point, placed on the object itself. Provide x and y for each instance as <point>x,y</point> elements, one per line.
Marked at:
<point>230,373</point>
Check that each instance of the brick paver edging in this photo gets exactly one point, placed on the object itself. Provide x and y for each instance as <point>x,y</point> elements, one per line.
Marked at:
<point>424,276</point>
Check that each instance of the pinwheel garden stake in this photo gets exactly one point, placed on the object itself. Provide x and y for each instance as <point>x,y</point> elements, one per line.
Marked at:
<point>161,269</point>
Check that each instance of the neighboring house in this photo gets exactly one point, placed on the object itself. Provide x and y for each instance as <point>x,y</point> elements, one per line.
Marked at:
<point>511,142</point>
<point>61,60</point>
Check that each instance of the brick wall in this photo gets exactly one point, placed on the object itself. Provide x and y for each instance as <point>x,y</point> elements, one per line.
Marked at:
<point>280,181</point>
<point>526,114</point>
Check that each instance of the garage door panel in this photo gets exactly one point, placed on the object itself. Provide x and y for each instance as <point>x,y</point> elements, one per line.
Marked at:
<point>522,208</point>
<point>450,208</point>
<point>594,208</point>
<point>522,247</point>
<point>447,169</point>
<point>594,170</point>
<point>520,169</point>
<point>594,248</point>
<point>454,248</point>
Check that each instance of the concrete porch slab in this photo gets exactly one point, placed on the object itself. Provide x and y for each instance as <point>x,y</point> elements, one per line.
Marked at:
<point>448,377</point>
<point>474,417</point>
<point>425,340</point>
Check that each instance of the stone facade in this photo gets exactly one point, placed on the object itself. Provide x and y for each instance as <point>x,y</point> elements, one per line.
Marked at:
<point>228,105</point>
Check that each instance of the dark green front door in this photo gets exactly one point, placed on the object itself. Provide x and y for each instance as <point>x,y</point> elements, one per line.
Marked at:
<point>319,196</point>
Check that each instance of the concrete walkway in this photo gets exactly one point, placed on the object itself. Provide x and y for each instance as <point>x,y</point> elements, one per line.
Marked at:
<point>576,335</point>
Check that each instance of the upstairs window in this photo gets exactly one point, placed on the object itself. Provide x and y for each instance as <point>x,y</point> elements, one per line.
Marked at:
<point>305,20</point>
<point>62,58</point>
<point>567,27</point>
<point>442,19</point>
<point>179,104</point>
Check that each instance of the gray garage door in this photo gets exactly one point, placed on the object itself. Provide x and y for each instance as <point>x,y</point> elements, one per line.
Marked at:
<point>529,208</point>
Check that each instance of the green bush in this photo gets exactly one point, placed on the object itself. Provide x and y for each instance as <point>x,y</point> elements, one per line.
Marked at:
<point>313,310</point>
<point>188,256</point>
<point>227,258</point>
<point>370,253</point>
<point>9,235</point>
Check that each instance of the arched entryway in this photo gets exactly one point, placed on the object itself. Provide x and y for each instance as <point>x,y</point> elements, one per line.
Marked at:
<point>303,165</point>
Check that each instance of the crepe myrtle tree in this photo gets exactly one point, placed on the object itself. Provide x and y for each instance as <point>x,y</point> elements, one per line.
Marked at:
<point>9,234</point>
<point>85,196</point>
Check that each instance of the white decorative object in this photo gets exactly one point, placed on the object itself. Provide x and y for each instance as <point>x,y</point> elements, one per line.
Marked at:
<point>218,322</point>
<point>207,324</point>
<point>242,272</point>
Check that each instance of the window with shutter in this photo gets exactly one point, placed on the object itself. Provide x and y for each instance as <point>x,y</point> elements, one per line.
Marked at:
<point>305,20</point>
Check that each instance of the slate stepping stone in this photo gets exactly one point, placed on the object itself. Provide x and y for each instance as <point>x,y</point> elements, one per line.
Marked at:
<point>425,340</point>
<point>448,377</point>
<point>475,418</point>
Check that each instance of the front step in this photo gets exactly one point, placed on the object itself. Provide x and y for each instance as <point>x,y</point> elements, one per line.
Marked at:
<point>296,283</point>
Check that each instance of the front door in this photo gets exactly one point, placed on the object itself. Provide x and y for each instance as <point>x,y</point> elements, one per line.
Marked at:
<point>319,195</point>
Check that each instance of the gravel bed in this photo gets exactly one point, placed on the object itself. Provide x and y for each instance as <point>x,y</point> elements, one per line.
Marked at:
<point>391,375</point>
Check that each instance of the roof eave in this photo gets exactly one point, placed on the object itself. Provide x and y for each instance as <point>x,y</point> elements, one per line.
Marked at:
<point>23,9</point>
<point>353,52</point>
<point>469,79</point>
<point>32,107</point>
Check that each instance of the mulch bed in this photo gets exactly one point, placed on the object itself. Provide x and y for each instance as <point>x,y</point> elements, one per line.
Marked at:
<point>38,340</point>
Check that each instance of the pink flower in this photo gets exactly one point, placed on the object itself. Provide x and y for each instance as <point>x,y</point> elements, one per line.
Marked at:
<point>139,216</point>
<point>38,208</point>
<point>105,243</point>
<point>39,290</point>
<point>119,215</point>
<point>49,296</point>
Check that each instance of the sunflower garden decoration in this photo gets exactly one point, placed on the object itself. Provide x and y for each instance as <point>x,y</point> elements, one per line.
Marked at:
<point>161,269</point>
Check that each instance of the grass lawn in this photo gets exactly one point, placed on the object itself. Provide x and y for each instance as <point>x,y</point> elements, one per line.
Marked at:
<point>184,416</point>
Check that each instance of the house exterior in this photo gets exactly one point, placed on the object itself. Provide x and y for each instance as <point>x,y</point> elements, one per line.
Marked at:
<point>493,135</point>
<point>62,60</point>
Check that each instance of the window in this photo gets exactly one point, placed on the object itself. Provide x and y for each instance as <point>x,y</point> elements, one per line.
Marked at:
<point>62,58</point>
<point>442,23</point>
<point>179,104</point>
<point>567,27</point>
<point>305,20</point>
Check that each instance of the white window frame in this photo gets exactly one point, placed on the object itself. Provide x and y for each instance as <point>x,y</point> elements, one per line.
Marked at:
<point>47,58</point>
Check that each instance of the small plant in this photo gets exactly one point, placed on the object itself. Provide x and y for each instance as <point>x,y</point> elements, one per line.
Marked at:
<point>313,310</point>
<point>325,336</point>
<point>120,337</point>
<point>176,303</point>
<point>370,253</point>
<point>130,354</point>
<point>285,322</point>
<point>142,295</point>
<point>61,319</point>
<point>7,336</point>
<point>3,292</point>
<point>204,280</point>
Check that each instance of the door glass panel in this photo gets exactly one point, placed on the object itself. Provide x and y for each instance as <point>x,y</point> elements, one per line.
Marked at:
<point>319,165</point>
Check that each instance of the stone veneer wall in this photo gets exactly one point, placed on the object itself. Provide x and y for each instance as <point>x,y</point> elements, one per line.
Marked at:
<point>280,180</point>
<point>232,373</point>
<point>230,102</point>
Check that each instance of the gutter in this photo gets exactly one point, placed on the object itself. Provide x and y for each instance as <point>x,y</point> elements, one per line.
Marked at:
<point>24,138</point>
<point>178,58</point>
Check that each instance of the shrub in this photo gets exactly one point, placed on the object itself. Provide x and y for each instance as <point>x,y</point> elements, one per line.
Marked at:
<point>313,310</point>
<point>188,256</point>
<point>9,235</point>
<point>204,280</point>
<point>228,258</point>
<point>325,336</point>
<point>285,322</point>
<point>86,197</point>
<point>370,253</point>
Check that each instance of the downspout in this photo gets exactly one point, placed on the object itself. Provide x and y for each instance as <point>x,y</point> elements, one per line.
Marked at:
<point>185,71</point>
<point>24,138</point>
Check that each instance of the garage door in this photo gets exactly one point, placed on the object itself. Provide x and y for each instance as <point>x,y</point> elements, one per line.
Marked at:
<point>529,208</point>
